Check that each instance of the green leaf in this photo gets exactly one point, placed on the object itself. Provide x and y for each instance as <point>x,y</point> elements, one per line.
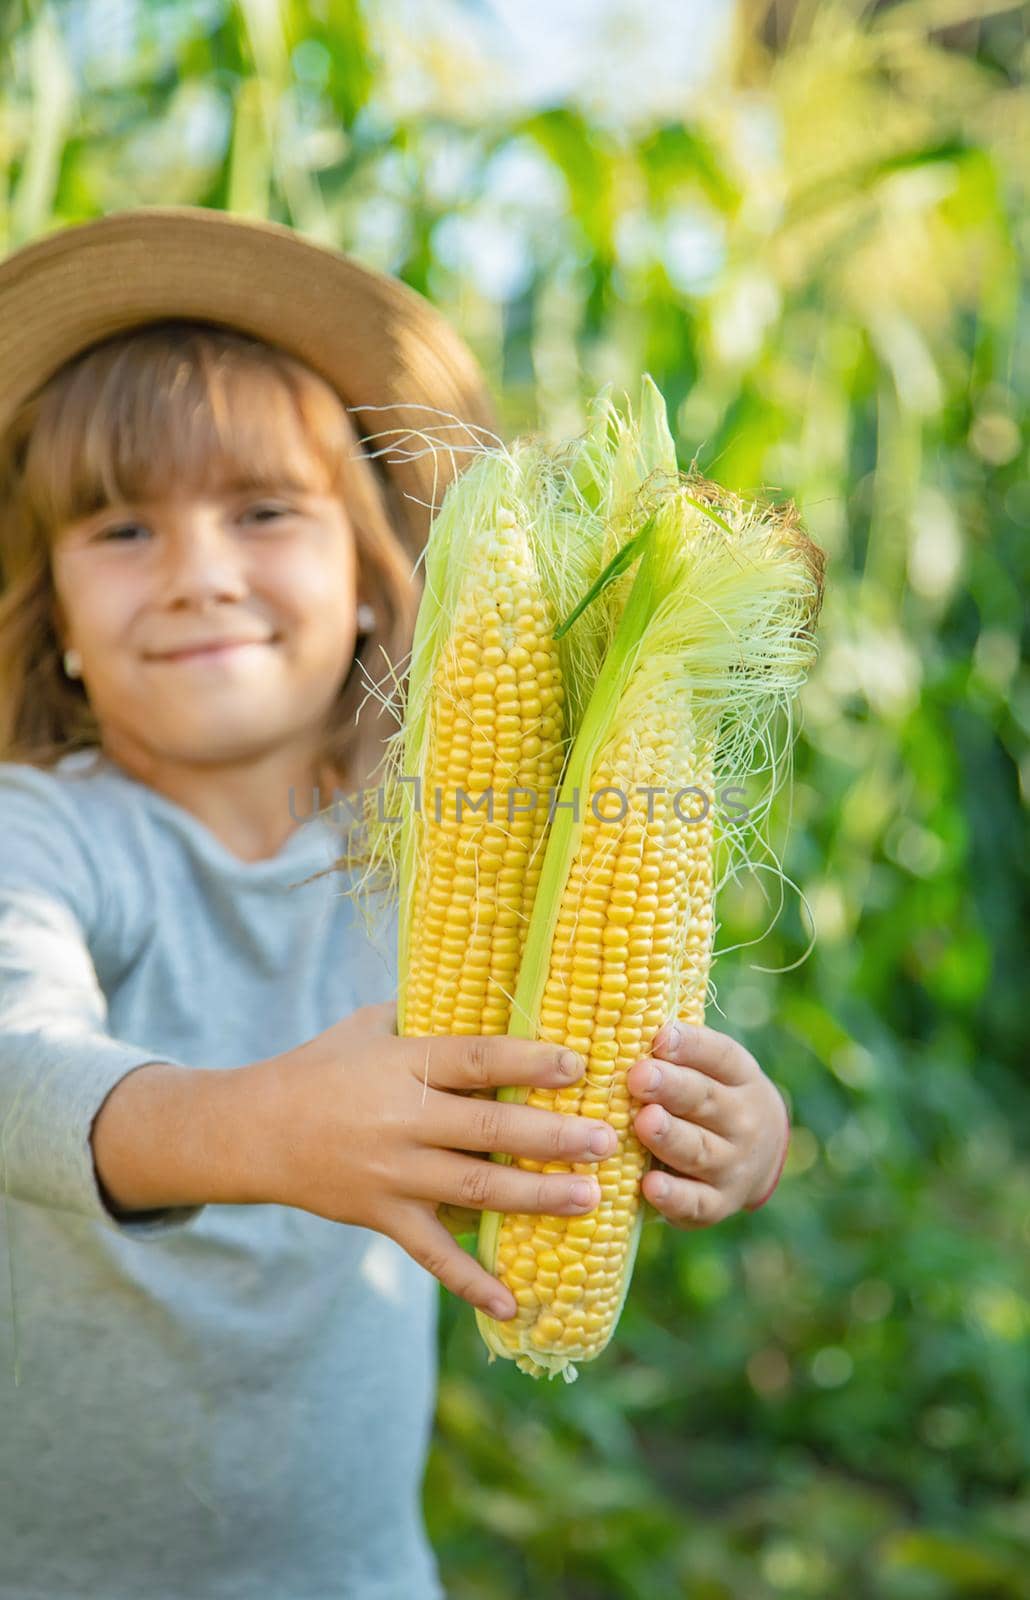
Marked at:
<point>623,559</point>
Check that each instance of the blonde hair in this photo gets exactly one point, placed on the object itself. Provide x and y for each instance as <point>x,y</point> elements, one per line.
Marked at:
<point>178,401</point>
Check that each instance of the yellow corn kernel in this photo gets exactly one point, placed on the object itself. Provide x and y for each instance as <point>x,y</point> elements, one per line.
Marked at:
<point>473,891</point>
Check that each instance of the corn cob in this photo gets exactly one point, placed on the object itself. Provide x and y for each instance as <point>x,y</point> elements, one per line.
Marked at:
<point>611,983</point>
<point>496,727</point>
<point>718,622</point>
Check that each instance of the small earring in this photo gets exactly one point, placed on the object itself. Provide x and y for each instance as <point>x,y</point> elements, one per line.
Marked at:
<point>366,618</point>
<point>73,663</point>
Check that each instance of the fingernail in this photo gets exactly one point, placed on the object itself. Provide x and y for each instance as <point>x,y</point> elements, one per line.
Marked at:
<point>660,1188</point>
<point>654,1078</point>
<point>501,1309</point>
<point>670,1036</point>
<point>570,1064</point>
<point>662,1127</point>
<point>600,1141</point>
<point>583,1192</point>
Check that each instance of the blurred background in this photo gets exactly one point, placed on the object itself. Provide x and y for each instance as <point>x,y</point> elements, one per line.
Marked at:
<point>809,222</point>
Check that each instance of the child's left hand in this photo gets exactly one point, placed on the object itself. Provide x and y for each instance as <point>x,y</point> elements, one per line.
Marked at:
<point>714,1119</point>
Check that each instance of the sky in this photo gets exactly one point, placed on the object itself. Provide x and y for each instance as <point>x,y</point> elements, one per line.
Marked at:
<point>640,57</point>
<point>624,60</point>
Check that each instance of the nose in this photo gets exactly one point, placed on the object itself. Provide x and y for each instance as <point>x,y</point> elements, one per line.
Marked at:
<point>201,561</point>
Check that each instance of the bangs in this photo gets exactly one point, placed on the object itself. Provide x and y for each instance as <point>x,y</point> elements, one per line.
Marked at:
<point>201,407</point>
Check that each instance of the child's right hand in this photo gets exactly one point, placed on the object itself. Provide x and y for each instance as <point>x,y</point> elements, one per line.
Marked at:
<point>368,1128</point>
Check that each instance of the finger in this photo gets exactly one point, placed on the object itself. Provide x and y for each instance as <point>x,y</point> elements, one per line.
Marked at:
<point>450,1061</point>
<point>691,1150</point>
<point>693,1044</point>
<point>683,1091</point>
<point>685,1202</point>
<point>453,1179</point>
<point>428,1242</point>
<point>516,1130</point>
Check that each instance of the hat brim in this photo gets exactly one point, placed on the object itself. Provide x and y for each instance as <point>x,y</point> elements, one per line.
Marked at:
<point>374,340</point>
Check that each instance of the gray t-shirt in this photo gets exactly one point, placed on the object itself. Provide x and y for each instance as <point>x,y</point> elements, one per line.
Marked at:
<point>213,1403</point>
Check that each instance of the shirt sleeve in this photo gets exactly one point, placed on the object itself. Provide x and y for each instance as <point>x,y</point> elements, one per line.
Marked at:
<point>58,1060</point>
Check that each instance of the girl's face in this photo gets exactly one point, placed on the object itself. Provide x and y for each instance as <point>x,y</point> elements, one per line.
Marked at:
<point>267,576</point>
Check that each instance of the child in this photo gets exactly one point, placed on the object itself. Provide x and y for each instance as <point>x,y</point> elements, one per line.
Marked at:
<point>221,1168</point>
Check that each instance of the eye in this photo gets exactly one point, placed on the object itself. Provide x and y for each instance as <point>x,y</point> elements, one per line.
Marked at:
<point>117,529</point>
<point>268,509</point>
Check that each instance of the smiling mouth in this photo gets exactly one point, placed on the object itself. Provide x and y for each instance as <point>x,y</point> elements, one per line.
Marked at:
<point>214,652</point>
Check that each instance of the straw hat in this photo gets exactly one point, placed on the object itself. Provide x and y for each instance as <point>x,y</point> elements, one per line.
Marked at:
<point>377,342</point>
